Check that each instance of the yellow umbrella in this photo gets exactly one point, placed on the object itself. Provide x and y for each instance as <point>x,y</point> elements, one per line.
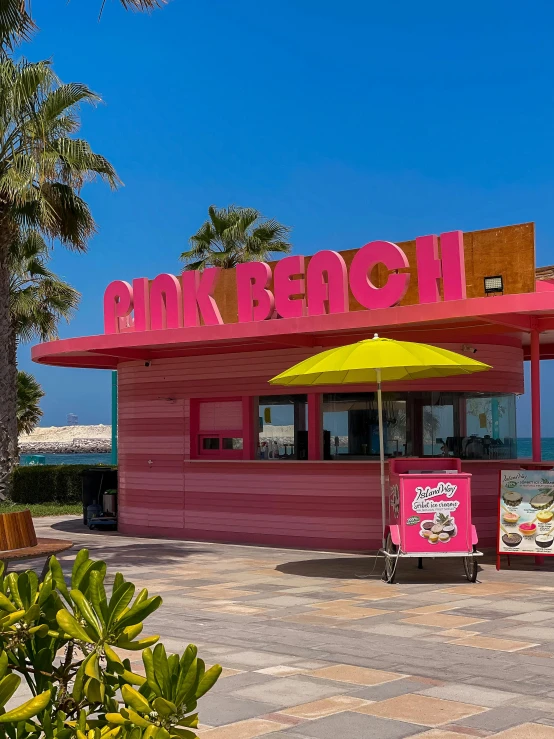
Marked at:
<point>378,360</point>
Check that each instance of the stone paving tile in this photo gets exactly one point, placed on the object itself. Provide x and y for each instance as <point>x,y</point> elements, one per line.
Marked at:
<point>243,729</point>
<point>324,707</point>
<point>499,645</point>
<point>503,717</point>
<point>242,680</point>
<point>401,630</point>
<point>421,709</point>
<point>442,620</point>
<point>533,616</point>
<point>290,691</point>
<point>257,659</point>
<point>470,694</point>
<point>392,689</point>
<point>218,710</point>
<point>352,725</point>
<point>527,731</point>
<point>356,675</point>
<point>442,734</point>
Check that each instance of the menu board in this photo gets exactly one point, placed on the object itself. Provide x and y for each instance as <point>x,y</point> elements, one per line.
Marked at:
<point>526,521</point>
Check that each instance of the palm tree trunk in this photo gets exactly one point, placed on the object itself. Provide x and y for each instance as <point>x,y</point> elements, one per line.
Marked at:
<point>8,368</point>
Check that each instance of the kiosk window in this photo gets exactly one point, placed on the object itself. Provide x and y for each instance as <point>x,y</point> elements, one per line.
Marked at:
<point>282,427</point>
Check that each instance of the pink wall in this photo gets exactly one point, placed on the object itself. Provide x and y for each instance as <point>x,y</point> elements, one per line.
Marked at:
<point>327,505</point>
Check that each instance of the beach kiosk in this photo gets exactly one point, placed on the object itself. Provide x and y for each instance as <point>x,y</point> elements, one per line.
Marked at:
<point>209,450</point>
<point>430,514</point>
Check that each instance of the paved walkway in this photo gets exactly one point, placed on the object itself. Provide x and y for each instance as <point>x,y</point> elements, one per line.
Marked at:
<point>312,651</point>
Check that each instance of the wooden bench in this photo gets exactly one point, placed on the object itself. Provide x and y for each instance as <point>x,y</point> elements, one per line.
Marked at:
<point>18,540</point>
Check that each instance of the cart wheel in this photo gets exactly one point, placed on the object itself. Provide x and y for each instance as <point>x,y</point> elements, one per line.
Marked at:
<point>390,562</point>
<point>470,568</point>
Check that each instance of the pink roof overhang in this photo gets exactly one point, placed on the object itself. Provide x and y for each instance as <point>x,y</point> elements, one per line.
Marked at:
<point>508,315</point>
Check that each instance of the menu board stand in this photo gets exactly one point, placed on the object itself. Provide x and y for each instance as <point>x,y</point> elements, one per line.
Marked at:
<point>526,514</point>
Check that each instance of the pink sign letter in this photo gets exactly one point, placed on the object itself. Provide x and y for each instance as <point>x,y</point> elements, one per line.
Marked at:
<point>118,303</point>
<point>141,300</point>
<point>198,297</point>
<point>252,281</point>
<point>166,303</point>
<point>327,284</point>
<point>453,266</point>
<point>365,292</point>
<point>289,287</point>
<point>429,269</point>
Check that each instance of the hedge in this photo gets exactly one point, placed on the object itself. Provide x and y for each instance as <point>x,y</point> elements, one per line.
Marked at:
<point>56,483</point>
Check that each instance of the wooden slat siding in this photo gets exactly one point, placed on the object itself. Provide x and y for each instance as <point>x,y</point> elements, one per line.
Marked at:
<point>151,428</point>
<point>312,505</point>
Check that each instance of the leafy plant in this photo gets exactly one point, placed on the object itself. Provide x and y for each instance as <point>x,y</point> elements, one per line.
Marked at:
<point>63,639</point>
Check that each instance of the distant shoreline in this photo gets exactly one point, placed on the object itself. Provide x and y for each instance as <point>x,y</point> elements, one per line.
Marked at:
<point>79,439</point>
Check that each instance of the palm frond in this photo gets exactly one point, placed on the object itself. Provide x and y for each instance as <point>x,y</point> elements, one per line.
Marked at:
<point>16,24</point>
<point>29,395</point>
<point>233,235</point>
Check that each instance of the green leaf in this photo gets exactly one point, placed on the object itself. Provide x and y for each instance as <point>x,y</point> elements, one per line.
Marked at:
<point>114,659</point>
<point>161,669</point>
<point>92,668</point>
<point>45,592</point>
<point>186,681</point>
<point>27,710</point>
<point>164,707</point>
<point>119,601</point>
<point>136,718</point>
<point>94,690</point>
<point>140,612</point>
<point>6,604</point>
<point>131,632</point>
<point>191,721</point>
<point>8,685</point>
<point>117,718</point>
<point>135,646</point>
<point>58,577</point>
<point>183,733</point>
<point>117,581</point>
<point>70,625</point>
<point>86,611</point>
<point>12,583</point>
<point>28,587</point>
<point>80,559</point>
<point>3,663</point>
<point>135,700</point>
<point>148,661</point>
<point>208,680</point>
<point>98,596</point>
<point>132,678</point>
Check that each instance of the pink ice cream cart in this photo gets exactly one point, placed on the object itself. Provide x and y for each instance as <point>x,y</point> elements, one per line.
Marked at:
<point>429,513</point>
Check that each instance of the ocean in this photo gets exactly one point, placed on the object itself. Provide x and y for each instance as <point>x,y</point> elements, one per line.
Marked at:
<point>523,451</point>
<point>71,458</point>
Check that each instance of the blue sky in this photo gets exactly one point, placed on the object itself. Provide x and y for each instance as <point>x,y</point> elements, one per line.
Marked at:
<point>349,121</point>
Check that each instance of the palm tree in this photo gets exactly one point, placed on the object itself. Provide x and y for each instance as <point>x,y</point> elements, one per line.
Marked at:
<point>17,24</point>
<point>233,235</point>
<point>42,170</point>
<point>29,395</point>
<point>39,298</point>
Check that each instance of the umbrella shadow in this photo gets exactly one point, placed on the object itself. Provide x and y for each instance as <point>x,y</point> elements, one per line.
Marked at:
<point>370,568</point>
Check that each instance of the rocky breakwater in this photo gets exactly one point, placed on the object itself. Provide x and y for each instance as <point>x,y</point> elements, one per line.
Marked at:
<point>67,440</point>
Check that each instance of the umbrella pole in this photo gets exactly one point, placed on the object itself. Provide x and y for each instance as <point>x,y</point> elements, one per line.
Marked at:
<point>381,453</point>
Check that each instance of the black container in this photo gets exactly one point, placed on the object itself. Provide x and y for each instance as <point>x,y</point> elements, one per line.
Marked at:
<point>95,482</point>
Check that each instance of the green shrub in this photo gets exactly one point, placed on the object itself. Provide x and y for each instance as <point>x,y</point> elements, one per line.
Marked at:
<point>55,483</point>
<point>64,639</point>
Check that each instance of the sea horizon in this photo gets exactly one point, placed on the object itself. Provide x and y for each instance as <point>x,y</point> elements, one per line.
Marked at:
<point>524,451</point>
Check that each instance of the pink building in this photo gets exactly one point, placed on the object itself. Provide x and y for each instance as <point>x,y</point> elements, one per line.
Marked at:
<point>208,450</point>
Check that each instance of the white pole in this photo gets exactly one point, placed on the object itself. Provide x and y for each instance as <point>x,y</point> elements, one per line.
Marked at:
<point>381,453</point>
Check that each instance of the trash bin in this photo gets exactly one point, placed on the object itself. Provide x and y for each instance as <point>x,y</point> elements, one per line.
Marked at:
<point>95,481</point>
